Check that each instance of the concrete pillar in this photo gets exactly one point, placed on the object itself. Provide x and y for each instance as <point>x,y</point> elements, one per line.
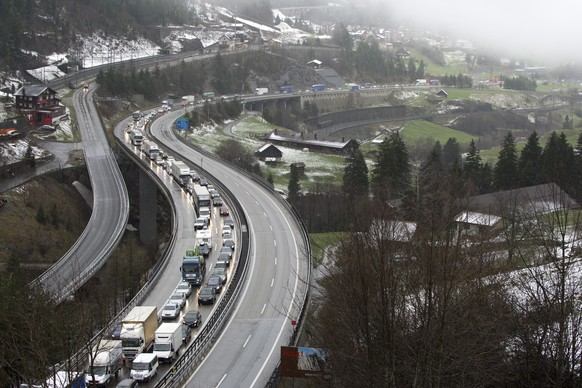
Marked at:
<point>148,224</point>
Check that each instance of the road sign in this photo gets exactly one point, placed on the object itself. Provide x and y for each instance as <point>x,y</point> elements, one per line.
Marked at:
<point>182,124</point>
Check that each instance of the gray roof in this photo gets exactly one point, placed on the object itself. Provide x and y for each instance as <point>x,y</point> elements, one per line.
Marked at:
<point>306,141</point>
<point>533,200</point>
<point>33,90</point>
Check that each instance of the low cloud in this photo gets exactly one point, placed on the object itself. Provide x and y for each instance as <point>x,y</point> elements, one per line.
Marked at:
<point>522,29</point>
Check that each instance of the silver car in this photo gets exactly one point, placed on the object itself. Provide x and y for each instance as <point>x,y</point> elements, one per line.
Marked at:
<point>184,288</point>
<point>179,298</point>
<point>170,311</point>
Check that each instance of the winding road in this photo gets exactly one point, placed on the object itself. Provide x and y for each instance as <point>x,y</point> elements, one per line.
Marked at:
<point>110,207</point>
<point>247,351</point>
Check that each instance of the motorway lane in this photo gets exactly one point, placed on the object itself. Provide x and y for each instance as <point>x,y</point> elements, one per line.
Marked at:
<point>110,206</point>
<point>248,349</point>
<point>185,239</point>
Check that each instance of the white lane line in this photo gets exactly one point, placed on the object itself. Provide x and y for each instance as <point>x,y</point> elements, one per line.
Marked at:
<point>275,242</point>
<point>275,261</point>
<point>263,309</point>
<point>272,282</point>
<point>221,380</point>
<point>247,341</point>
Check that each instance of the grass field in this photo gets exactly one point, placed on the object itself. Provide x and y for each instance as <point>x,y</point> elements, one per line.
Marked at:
<point>453,67</point>
<point>320,241</point>
<point>417,130</point>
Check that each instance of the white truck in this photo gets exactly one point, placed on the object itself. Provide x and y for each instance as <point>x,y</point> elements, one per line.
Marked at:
<point>167,342</point>
<point>136,137</point>
<point>151,149</point>
<point>137,330</point>
<point>204,236</point>
<point>106,360</point>
<point>180,172</point>
<point>261,91</point>
<point>188,100</point>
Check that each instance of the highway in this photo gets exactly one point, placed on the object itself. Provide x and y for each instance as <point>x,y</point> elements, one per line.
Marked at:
<point>247,351</point>
<point>110,207</point>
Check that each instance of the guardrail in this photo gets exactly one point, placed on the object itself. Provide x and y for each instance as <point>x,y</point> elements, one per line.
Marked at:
<point>77,362</point>
<point>298,328</point>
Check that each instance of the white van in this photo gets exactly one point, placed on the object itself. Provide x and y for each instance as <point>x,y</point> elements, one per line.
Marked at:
<point>144,367</point>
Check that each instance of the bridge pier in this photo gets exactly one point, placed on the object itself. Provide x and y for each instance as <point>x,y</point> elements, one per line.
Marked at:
<point>148,225</point>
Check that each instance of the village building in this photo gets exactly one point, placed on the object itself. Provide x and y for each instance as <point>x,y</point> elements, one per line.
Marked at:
<point>311,142</point>
<point>40,102</point>
<point>269,153</point>
<point>299,167</point>
<point>314,64</point>
<point>484,214</point>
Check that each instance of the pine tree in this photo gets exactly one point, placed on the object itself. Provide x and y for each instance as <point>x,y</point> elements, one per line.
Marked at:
<point>451,153</point>
<point>421,69</point>
<point>472,165</point>
<point>391,171</point>
<point>411,68</point>
<point>355,180</point>
<point>505,172</point>
<point>341,36</point>
<point>558,161</point>
<point>568,123</point>
<point>530,162</point>
<point>294,186</point>
<point>577,181</point>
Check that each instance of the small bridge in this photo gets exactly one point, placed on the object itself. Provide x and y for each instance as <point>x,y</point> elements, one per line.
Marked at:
<point>560,99</point>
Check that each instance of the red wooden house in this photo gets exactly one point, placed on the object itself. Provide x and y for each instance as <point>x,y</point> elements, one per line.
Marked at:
<point>40,102</point>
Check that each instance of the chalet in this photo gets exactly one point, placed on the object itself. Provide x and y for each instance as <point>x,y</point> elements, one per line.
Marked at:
<point>402,53</point>
<point>225,42</point>
<point>41,102</point>
<point>315,64</point>
<point>311,142</point>
<point>269,153</point>
<point>35,97</point>
<point>485,213</point>
<point>442,93</point>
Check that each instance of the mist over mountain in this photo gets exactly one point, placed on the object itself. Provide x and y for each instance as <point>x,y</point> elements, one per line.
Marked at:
<point>539,31</point>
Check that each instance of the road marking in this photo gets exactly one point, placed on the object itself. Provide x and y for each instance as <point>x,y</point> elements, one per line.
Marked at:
<point>247,341</point>
<point>275,242</point>
<point>265,214</point>
<point>275,260</point>
<point>271,226</point>
<point>272,282</point>
<point>221,380</point>
<point>263,309</point>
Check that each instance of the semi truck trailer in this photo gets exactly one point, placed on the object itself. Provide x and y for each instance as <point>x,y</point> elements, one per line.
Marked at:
<point>137,330</point>
<point>180,172</point>
<point>151,149</point>
<point>136,137</point>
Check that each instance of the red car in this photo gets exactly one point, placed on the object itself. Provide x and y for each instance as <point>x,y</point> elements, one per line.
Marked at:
<point>224,211</point>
